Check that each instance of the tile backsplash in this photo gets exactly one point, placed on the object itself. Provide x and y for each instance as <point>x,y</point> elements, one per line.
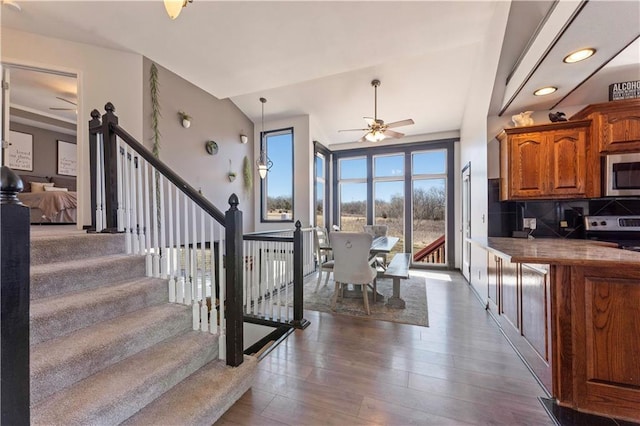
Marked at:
<point>551,215</point>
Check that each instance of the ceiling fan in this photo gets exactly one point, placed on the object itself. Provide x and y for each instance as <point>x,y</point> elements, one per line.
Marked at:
<point>377,130</point>
<point>75,105</point>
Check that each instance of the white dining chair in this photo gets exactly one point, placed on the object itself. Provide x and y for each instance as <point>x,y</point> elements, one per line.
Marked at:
<point>323,254</point>
<point>352,264</point>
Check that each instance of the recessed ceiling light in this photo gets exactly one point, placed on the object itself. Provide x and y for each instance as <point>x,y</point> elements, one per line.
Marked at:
<point>545,91</point>
<point>579,55</point>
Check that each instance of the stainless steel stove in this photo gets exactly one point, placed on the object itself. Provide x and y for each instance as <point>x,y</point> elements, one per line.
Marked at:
<point>622,230</point>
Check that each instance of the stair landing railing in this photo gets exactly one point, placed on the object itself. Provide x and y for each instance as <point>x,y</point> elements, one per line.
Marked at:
<point>184,238</point>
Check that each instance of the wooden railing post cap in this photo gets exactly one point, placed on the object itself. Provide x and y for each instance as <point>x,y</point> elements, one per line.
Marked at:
<point>233,202</point>
<point>109,108</point>
<point>95,114</point>
<point>298,225</point>
<point>10,185</point>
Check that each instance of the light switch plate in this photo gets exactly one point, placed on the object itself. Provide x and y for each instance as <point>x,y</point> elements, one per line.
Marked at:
<point>529,223</point>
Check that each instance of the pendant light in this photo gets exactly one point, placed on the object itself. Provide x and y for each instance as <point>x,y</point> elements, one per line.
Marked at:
<point>174,7</point>
<point>264,163</point>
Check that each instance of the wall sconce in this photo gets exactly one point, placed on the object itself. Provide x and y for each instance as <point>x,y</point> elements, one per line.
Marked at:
<point>186,119</point>
<point>244,139</point>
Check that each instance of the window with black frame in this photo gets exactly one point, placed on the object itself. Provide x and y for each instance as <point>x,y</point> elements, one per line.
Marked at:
<point>277,186</point>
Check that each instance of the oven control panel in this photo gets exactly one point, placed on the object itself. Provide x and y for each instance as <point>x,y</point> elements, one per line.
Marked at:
<point>612,223</point>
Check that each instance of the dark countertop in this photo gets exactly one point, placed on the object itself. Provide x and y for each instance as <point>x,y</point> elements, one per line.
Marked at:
<point>560,252</point>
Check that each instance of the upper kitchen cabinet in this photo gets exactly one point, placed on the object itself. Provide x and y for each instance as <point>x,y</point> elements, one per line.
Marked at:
<point>615,125</point>
<point>548,161</point>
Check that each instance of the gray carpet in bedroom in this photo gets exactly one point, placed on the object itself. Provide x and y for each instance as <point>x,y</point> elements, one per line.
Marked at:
<point>413,291</point>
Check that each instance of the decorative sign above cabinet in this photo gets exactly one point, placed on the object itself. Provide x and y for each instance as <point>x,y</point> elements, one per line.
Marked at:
<point>624,90</point>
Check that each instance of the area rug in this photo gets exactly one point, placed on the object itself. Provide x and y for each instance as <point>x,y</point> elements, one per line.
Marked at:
<point>412,290</point>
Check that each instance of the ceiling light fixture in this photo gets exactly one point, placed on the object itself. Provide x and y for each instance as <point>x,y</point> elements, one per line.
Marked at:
<point>264,163</point>
<point>174,7</point>
<point>375,136</point>
<point>545,91</point>
<point>579,55</point>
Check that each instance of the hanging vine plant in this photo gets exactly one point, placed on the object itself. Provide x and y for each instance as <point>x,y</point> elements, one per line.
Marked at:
<point>155,110</point>
<point>247,174</point>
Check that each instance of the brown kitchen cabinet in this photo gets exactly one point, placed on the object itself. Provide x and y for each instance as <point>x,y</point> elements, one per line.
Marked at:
<point>519,298</point>
<point>615,125</point>
<point>548,161</point>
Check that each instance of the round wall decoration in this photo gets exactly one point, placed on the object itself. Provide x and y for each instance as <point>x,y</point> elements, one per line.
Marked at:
<point>211,147</point>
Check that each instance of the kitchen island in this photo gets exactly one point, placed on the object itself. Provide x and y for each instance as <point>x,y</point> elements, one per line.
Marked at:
<point>572,309</point>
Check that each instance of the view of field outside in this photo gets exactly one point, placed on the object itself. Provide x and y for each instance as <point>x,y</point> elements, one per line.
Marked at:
<point>278,185</point>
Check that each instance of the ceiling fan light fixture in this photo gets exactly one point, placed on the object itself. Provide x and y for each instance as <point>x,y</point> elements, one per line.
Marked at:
<point>545,91</point>
<point>375,136</point>
<point>579,55</point>
<point>174,7</point>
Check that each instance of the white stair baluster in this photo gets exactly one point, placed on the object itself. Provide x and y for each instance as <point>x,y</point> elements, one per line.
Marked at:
<point>127,200</point>
<point>163,240</point>
<point>99,178</point>
<point>142,247</point>
<point>171,254</point>
<point>203,284</point>
<point>180,283</point>
<point>188,293</point>
<point>119,164</point>
<point>154,214</point>
<point>147,221</point>
<point>194,267</point>
<point>135,230</point>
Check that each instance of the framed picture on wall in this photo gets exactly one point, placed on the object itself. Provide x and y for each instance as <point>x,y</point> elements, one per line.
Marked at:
<point>67,159</point>
<point>19,153</point>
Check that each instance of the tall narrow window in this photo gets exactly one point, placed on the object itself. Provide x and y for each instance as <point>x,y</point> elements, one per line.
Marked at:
<point>277,187</point>
<point>388,193</point>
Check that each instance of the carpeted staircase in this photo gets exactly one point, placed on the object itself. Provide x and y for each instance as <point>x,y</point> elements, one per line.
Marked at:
<point>107,347</point>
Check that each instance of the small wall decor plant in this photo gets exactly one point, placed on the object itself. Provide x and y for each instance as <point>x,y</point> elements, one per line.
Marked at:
<point>231,174</point>
<point>247,174</point>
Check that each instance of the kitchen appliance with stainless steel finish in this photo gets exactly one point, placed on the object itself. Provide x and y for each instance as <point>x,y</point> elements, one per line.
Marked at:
<point>622,175</point>
<point>622,230</point>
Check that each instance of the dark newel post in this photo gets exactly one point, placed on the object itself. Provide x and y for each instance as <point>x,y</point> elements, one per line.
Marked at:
<point>15,260</point>
<point>110,168</point>
<point>234,264</point>
<point>94,128</point>
<point>298,279</point>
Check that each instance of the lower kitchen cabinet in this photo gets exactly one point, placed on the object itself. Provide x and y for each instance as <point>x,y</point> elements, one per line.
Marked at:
<point>519,297</point>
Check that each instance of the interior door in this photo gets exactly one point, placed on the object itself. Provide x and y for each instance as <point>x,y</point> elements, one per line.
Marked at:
<point>4,132</point>
<point>466,221</point>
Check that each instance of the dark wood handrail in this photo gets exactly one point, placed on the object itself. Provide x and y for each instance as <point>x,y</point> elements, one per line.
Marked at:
<point>190,191</point>
<point>435,245</point>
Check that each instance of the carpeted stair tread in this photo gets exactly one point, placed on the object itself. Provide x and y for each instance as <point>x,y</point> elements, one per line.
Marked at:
<point>63,277</point>
<point>201,398</point>
<point>60,362</point>
<point>116,393</point>
<point>60,315</point>
<point>60,248</point>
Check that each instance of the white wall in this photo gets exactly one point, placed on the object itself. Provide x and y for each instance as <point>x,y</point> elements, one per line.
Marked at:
<point>103,75</point>
<point>474,138</point>
<point>303,172</point>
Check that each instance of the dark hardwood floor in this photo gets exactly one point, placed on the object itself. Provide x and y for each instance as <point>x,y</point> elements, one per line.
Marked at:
<point>348,371</point>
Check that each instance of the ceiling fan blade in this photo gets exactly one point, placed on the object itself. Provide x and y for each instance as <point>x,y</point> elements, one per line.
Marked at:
<point>66,100</point>
<point>400,123</point>
<point>363,138</point>
<point>393,134</point>
<point>353,130</point>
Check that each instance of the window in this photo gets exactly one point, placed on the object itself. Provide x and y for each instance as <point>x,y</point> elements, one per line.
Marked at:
<point>388,193</point>
<point>352,190</point>
<point>277,187</point>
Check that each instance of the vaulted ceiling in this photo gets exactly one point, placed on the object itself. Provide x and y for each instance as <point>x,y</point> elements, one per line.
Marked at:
<point>319,57</point>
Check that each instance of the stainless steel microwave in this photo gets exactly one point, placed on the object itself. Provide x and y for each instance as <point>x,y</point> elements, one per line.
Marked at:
<point>622,175</point>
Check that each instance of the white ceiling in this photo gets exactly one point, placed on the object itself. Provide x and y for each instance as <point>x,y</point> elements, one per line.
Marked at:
<point>319,57</point>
